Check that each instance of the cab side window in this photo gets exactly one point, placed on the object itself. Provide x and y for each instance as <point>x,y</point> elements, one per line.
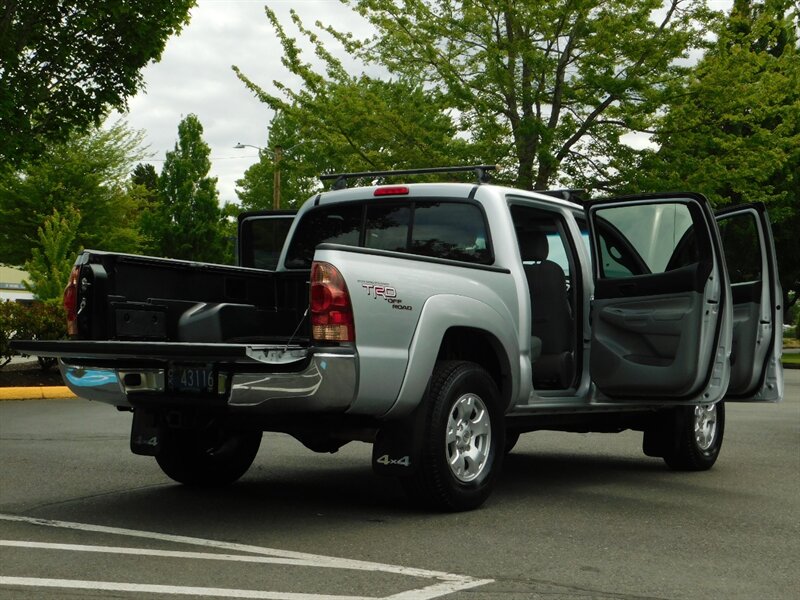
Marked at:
<point>449,230</point>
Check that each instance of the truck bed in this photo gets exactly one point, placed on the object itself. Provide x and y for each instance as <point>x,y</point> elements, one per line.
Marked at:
<point>139,298</point>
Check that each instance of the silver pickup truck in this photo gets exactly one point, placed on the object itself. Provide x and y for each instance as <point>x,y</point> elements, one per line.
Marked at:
<point>439,322</point>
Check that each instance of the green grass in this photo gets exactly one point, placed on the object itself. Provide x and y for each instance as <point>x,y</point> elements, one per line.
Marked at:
<point>791,359</point>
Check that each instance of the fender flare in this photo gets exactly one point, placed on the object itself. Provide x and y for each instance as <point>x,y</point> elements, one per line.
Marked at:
<point>438,315</point>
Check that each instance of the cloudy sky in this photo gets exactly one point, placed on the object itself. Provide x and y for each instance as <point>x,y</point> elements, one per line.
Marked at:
<point>195,76</point>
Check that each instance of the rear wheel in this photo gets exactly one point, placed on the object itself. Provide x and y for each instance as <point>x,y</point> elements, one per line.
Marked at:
<point>207,457</point>
<point>697,441</point>
<point>512,437</point>
<point>463,440</point>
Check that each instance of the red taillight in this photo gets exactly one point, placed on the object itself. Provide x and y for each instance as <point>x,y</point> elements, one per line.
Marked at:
<point>391,190</point>
<point>331,311</point>
<point>71,301</point>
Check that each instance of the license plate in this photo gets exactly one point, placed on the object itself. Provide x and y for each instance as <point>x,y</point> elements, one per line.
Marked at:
<point>192,379</point>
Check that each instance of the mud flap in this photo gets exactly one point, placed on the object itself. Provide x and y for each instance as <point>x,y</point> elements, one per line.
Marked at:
<point>661,437</point>
<point>397,449</point>
<point>147,432</point>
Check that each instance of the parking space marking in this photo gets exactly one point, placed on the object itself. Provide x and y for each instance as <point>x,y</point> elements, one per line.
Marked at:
<point>144,588</point>
<point>162,553</point>
<point>447,583</point>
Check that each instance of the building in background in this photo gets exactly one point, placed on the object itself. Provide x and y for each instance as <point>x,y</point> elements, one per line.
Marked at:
<point>11,286</point>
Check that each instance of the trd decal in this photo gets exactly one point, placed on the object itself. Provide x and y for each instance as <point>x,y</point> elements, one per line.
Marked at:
<point>384,291</point>
<point>379,291</point>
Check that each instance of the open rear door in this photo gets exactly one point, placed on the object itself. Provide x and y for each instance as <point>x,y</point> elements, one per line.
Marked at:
<point>261,237</point>
<point>661,313</point>
<point>756,370</point>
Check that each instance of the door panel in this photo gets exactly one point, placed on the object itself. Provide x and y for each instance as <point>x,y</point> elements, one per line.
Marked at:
<point>643,343</point>
<point>661,312</point>
<point>756,371</point>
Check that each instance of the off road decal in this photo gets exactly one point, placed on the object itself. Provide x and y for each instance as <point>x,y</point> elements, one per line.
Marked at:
<point>384,291</point>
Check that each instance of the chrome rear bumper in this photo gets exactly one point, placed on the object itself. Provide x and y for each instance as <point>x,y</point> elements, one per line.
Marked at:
<point>327,383</point>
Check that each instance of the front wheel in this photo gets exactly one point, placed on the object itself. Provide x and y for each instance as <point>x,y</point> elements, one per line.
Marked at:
<point>698,432</point>
<point>207,457</point>
<point>463,440</point>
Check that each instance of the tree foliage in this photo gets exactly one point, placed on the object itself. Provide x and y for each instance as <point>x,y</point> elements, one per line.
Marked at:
<point>732,131</point>
<point>64,63</point>
<point>51,261</point>
<point>88,173</point>
<point>144,175</point>
<point>341,122</point>
<point>539,87</point>
<point>185,221</point>
<point>300,164</point>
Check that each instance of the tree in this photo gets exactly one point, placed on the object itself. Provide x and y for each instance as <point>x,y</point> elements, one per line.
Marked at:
<point>89,173</point>
<point>186,221</point>
<point>301,162</point>
<point>64,63</point>
<point>539,87</point>
<point>145,175</point>
<point>51,261</point>
<point>348,123</point>
<point>732,131</point>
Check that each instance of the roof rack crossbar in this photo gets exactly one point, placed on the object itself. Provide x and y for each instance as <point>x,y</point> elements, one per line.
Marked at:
<point>340,179</point>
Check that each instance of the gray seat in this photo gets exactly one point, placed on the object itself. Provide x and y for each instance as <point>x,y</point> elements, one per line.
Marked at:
<point>552,321</point>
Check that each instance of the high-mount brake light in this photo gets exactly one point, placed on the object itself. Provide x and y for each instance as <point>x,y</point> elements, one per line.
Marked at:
<point>71,301</point>
<point>331,310</point>
<point>392,190</point>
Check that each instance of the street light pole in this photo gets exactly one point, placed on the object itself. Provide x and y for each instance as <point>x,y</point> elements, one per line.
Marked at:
<point>276,177</point>
<point>277,155</point>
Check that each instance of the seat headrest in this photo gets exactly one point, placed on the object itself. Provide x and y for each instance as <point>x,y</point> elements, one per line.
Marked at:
<point>533,245</point>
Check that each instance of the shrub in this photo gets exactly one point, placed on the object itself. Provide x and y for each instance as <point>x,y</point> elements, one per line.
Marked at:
<point>30,321</point>
<point>797,326</point>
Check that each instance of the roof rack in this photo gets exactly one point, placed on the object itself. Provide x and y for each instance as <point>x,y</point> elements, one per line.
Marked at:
<point>340,179</point>
<point>578,195</point>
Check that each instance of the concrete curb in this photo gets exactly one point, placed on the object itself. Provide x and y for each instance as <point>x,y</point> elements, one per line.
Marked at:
<point>43,392</point>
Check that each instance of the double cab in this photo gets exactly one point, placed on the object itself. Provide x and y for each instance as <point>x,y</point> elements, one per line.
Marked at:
<point>438,322</point>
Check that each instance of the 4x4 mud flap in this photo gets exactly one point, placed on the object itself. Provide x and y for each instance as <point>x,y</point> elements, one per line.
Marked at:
<point>147,432</point>
<point>398,447</point>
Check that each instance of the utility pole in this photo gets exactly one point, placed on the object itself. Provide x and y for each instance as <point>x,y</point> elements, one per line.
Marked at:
<point>277,152</point>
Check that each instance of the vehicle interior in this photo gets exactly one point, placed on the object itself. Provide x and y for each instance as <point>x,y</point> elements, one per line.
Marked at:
<point>549,265</point>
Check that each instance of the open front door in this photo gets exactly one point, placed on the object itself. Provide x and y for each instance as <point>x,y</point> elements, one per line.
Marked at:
<point>661,314</point>
<point>756,370</point>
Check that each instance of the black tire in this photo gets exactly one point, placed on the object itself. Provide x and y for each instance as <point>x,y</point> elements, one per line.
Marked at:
<point>208,457</point>
<point>462,395</point>
<point>512,437</point>
<point>698,433</point>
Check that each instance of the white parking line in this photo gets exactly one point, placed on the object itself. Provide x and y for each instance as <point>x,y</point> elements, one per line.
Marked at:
<point>447,583</point>
<point>143,588</point>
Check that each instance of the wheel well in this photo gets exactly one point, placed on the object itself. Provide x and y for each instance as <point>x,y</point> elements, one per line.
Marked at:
<point>480,347</point>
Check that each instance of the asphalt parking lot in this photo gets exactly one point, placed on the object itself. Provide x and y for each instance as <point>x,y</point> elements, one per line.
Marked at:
<point>574,516</point>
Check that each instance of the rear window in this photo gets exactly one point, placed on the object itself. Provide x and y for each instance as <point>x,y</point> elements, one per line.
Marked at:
<point>439,229</point>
